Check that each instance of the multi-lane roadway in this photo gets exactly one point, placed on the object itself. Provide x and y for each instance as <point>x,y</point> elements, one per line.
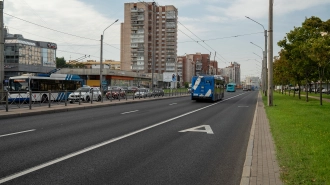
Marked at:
<point>168,141</point>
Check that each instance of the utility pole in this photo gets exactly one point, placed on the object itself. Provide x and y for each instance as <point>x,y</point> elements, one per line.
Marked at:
<point>153,44</point>
<point>2,42</point>
<point>101,69</point>
<point>270,55</point>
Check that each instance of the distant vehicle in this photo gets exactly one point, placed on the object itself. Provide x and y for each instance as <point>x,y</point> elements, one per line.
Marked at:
<point>209,87</point>
<point>231,87</point>
<point>245,89</point>
<point>157,92</point>
<point>19,87</point>
<point>132,89</point>
<point>248,87</point>
<point>142,93</point>
<point>85,93</point>
<point>115,94</point>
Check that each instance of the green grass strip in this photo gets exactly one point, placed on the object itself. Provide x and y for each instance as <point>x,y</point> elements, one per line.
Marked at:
<point>301,131</point>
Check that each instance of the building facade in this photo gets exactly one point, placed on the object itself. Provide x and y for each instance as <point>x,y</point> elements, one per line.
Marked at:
<point>232,73</point>
<point>149,38</point>
<point>27,56</point>
<point>197,64</point>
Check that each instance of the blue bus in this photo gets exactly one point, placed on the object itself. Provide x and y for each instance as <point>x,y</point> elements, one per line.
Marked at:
<point>19,87</point>
<point>209,87</point>
<point>231,87</point>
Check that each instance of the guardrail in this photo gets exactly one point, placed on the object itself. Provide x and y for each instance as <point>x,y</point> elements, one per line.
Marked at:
<point>29,99</point>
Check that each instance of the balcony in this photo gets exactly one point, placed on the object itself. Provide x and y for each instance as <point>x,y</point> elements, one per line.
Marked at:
<point>140,18</point>
<point>137,10</point>
<point>170,30</point>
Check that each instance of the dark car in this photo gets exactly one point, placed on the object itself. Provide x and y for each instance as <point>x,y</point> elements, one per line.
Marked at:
<point>115,94</point>
<point>157,92</point>
<point>132,89</point>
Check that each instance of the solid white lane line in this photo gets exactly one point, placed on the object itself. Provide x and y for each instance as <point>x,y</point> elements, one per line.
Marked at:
<point>129,112</point>
<point>16,175</point>
<point>172,103</point>
<point>17,133</point>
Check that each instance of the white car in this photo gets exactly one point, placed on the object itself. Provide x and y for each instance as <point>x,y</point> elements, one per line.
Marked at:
<point>85,93</point>
<point>142,93</point>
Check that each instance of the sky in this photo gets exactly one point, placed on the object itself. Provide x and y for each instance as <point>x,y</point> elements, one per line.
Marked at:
<point>205,26</point>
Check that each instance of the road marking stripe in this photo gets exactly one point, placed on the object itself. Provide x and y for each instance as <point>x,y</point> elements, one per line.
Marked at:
<point>17,133</point>
<point>29,170</point>
<point>129,112</point>
<point>172,104</point>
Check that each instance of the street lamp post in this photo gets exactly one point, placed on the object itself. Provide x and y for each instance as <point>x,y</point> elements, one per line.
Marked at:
<point>264,76</point>
<point>101,58</point>
<point>264,63</point>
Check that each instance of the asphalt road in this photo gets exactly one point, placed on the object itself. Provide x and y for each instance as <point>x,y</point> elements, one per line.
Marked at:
<point>170,141</point>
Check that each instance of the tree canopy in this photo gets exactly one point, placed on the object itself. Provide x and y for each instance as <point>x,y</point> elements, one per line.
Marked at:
<point>305,54</point>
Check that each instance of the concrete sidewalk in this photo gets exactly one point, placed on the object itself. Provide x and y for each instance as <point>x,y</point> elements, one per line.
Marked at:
<point>260,167</point>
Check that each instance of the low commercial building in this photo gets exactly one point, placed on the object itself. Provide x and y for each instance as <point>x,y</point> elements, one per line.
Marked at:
<point>27,56</point>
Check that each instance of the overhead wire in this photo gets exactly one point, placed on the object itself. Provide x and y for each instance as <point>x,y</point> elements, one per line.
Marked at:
<point>51,28</point>
<point>204,43</point>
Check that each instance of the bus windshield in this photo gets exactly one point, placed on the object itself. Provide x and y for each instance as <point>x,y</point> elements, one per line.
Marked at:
<point>18,84</point>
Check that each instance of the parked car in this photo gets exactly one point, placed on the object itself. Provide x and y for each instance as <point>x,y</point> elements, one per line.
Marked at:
<point>189,90</point>
<point>245,89</point>
<point>157,92</point>
<point>115,94</point>
<point>85,93</point>
<point>142,93</point>
<point>132,89</point>
<point>326,91</point>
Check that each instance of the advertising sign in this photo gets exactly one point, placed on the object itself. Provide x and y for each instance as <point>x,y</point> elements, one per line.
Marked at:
<point>169,77</point>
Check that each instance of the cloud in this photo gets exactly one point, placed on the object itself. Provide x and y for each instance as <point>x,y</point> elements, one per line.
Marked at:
<point>69,16</point>
<point>258,9</point>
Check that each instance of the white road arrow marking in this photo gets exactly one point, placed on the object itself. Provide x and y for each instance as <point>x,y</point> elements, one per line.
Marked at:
<point>208,129</point>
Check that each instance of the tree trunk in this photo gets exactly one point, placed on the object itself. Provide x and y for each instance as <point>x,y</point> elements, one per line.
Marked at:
<point>320,91</point>
<point>307,89</point>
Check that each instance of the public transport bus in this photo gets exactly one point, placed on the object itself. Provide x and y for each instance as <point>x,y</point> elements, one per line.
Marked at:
<point>19,87</point>
<point>208,87</point>
<point>231,87</point>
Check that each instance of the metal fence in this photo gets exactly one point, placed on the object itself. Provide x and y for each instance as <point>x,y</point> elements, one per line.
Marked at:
<point>30,99</point>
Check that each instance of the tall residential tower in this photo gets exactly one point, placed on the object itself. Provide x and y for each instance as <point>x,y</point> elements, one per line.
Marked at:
<point>149,38</point>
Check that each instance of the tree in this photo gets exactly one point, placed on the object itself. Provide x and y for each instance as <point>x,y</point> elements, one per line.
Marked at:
<point>318,46</point>
<point>302,48</point>
<point>61,63</point>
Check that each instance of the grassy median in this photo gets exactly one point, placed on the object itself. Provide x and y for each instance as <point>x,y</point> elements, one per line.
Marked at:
<point>301,131</point>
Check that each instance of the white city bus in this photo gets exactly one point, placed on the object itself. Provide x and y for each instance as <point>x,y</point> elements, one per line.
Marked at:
<point>19,87</point>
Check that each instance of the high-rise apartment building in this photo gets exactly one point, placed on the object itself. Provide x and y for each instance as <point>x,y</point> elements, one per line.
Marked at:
<point>149,38</point>
<point>233,72</point>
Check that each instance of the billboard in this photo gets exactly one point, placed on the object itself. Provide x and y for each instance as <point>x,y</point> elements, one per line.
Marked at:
<point>169,77</point>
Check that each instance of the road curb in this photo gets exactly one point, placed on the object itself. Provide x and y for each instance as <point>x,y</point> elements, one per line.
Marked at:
<point>246,174</point>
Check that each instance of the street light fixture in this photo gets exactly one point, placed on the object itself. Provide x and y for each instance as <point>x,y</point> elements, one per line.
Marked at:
<point>101,58</point>
<point>264,63</point>
<point>264,69</point>
<point>257,55</point>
